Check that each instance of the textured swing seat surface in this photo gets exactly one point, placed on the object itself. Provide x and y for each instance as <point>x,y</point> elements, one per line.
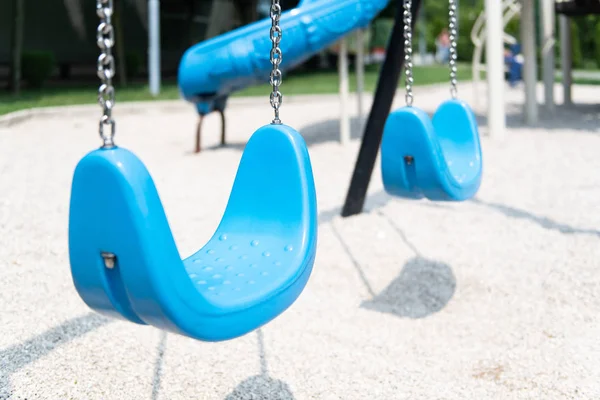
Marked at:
<point>232,270</point>
<point>445,153</point>
<point>253,268</point>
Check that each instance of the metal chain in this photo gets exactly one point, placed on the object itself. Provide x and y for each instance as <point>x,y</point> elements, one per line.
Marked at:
<point>453,52</point>
<point>276,78</point>
<point>105,38</point>
<point>408,64</point>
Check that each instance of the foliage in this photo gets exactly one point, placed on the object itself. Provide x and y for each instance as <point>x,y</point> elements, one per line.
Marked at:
<point>588,39</point>
<point>37,67</point>
<point>133,62</point>
<point>381,29</point>
<point>576,46</point>
<point>434,18</point>
<point>597,35</point>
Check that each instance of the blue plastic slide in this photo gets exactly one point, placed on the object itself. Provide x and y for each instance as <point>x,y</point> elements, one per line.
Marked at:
<point>213,69</point>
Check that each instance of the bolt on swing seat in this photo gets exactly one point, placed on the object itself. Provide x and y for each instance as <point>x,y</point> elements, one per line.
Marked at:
<point>251,270</point>
<point>438,158</point>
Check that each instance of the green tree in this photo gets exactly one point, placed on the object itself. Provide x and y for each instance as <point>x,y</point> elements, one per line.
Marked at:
<point>597,43</point>
<point>576,45</point>
<point>17,44</point>
<point>120,42</point>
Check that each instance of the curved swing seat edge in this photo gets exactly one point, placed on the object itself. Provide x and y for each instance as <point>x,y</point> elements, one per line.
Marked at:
<point>445,151</point>
<point>456,127</point>
<point>147,284</point>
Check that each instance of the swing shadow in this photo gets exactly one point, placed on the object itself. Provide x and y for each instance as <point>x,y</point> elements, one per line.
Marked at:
<point>161,348</point>
<point>580,117</point>
<point>423,287</point>
<point>544,222</point>
<point>380,199</point>
<point>261,386</point>
<point>14,358</point>
<point>316,133</point>
<point>236,146</point>
<point>329,131</point>
<point>373,202</point>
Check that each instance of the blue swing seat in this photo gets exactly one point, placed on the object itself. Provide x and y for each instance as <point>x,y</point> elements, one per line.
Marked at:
<point>252,269</point>
<point>439,159</point>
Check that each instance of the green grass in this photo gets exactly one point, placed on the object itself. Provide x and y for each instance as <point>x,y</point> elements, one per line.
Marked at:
<point>293,84</point>
<point>296,83</point>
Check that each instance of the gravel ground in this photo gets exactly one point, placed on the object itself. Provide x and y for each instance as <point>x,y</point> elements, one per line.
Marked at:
<point>495,298</point>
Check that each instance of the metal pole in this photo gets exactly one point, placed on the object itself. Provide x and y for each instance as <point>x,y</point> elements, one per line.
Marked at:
<point>154,46</point>
<point>547,42</point>
<point>458,16</point>
<point>566,56</point>
<point>344,92</point>
<point>530,61</point>
<point>360,72</point>
<point>495,68</point>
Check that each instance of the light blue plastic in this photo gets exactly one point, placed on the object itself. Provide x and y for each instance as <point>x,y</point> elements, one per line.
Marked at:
<point>215,68</point>
<point>303,3</point>
<point>254,267</point>
<point>446,151</point>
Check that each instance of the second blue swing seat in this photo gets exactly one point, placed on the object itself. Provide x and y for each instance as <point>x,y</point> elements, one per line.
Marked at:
<point>252,269</point>
<point>437,158</point>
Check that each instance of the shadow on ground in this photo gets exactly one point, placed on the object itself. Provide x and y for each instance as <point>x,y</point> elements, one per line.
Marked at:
<point>544,222</point>
<point>329,131</point>
<point>158,365</point>
<point>378,200</point>
<point>263,386</point>
<point>260,387</point>
<point>423,288</point>
<point>579,117</point>
<point>317,133</point>
<point>236,146</point>
<point>16,357</point>
<point>373,202</point>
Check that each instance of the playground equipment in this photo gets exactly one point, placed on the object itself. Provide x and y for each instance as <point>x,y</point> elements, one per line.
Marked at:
<point>210,71</point>
<point>447,143</point>
<point>535,43</point>
<point>577,7</point>
<point>438,158</point>
<point>124,260</point>
<point>567,9</point>
<point>510,9</point>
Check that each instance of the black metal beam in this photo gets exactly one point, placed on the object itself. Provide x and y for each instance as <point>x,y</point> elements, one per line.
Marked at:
<point>573,8</point>
<point>382,104</point>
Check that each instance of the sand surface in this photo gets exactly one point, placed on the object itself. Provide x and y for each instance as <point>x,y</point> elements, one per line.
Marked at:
<point>494,298</point>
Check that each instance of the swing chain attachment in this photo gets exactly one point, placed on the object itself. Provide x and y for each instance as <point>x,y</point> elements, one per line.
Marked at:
<point>109,259</point>
<point>105,39</point>
<point>408,64</point>
<point>453,50</point>
<point>276,97</point>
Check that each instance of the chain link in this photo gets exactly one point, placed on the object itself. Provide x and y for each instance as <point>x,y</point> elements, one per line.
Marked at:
<point>453,52</point>
<point>408,63</point>
<point>105,39</point>
<point>276,97</point>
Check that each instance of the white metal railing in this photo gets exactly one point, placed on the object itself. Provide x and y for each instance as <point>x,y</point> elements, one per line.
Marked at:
<point>510,9</point>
